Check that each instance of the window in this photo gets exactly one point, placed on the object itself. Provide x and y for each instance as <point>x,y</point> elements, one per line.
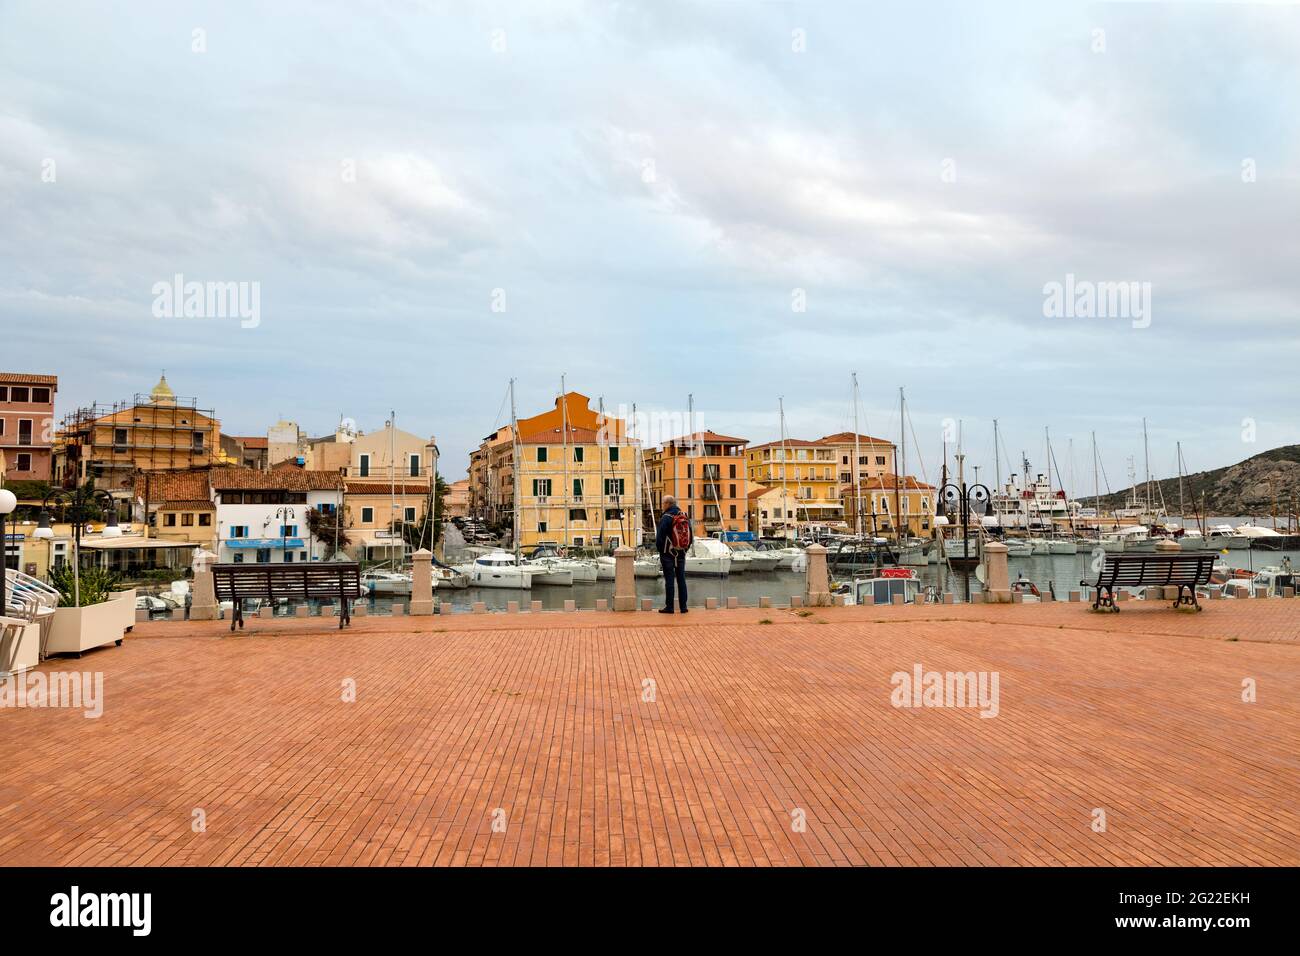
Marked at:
<point>119,437</point>
<point>363,467</point>
<point>288,531</point>
<point>880,459</point>
<point>414,462</point>
<point>577,514</point>
<point>577,542</point>
<point>18,393</point>
<point>732,492</point>
<point>238,557</point>
<point>541,455</point>
<point>187,519</point>
<point>24,431</point>
<point>613,453</point>
<point>541,527</point>
<point>288,557</point>
<point>367,515</point>
<point>733,471</point>
<point>690,471</point>
<point>40,396</point>
<point>24,461</point>
<point>577,488</point>
<point>263,555</point>
<point>205,519</point>
<point>408,515</point>
<point>326,508</point>
<point>541,487</point>
<point>577,452</point>
<point>2,426</point>
<point>238,530</point>
<point>733,511</point>
<point>613,514</point>
<point>4,393</point>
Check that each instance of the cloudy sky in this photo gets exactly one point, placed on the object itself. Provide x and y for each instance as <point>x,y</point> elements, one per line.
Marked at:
<point>742,201</point>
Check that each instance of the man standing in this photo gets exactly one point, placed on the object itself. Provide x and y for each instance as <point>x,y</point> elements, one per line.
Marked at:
<point>673,540</point>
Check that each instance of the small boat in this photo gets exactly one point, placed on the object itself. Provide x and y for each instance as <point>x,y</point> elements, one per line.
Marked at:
<point>382,581</point>
<point>962,555</point>
<point>1018,547</point>
<point>497,569</point>
<point>755,560</point>
<point>643,566</point>
<point>883,585</point>
<point>1062,545</point>
<point>1226,536</point>
<point>1274,578</point>
<point>709,556</point>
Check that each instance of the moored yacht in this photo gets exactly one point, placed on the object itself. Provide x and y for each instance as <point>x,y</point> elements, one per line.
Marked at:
<point>496,569</point>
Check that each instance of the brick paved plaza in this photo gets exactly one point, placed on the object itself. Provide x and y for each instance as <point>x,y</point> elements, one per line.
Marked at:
<point>538,724</point>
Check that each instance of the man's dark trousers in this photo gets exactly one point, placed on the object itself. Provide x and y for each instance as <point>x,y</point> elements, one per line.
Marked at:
<point>674,568</point>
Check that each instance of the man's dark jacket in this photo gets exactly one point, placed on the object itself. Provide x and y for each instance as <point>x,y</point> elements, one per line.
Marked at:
<point>663,533</point>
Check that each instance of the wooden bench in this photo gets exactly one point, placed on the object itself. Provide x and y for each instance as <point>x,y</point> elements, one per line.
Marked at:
<point>1185,569</point>
<point>326,580</point>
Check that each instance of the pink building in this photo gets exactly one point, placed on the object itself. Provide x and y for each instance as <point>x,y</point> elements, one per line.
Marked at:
<point>27,425</point>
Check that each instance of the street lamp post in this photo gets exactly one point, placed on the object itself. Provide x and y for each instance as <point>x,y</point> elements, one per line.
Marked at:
<point>284,514</point>
<point>75,508</point>
<point>966,499</point>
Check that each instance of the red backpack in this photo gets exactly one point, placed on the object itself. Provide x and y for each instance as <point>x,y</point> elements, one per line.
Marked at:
<point>679,534</point>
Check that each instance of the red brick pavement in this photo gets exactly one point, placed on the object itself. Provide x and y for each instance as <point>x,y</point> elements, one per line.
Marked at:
<point>542,718</point>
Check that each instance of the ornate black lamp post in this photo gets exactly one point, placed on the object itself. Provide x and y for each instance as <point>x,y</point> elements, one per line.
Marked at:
<point>965,500</point>
<point>78,507</point>
<point>284,514</point>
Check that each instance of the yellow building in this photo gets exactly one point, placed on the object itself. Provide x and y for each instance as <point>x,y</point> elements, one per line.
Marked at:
<point>885,497</point>
<point>705,472</point>
<point>876,456</point>
<point>807,470</point>
<point>150,433</point>
<point>577,481</point>
<point>372,510</point>
<point>772,513</point>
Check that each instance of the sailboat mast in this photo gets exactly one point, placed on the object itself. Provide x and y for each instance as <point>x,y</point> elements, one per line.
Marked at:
<point>1146,464</point>
<point>392,482</point>
<point>785,465</point>
<point>518,472</point>
<point>1182,514</point>
<point>902,467</point>
<point>564,457</point>
<point>1096,488</point>
<point>600,454</point>
<point>857,464</point>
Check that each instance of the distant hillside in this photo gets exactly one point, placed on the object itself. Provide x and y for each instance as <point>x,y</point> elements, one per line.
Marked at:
<point>1251,487</point>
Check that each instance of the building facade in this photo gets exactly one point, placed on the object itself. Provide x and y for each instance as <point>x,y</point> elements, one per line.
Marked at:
<point>27,425</point>
<point>706,473</point>
<point>890,504</point>
<point>109,444</point>
<point>808,470</point>
<point>378,515</point>
<point>262,516</point>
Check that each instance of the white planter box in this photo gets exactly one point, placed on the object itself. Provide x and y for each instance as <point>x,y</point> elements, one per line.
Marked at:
<point>78,629</point>
<point>27,652</point>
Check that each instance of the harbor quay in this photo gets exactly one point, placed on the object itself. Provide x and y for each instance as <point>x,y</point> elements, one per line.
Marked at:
<point>901,735</point>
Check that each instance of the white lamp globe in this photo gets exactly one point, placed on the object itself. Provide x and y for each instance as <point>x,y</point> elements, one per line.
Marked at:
<point>7,502</point>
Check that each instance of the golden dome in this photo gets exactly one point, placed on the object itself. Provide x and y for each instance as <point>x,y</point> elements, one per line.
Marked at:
<point>162,393</point>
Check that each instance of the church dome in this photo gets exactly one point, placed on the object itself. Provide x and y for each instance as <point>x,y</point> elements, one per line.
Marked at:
<point>162,393</point>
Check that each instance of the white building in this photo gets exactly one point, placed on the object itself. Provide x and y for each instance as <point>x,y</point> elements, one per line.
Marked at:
<point>262,516</point>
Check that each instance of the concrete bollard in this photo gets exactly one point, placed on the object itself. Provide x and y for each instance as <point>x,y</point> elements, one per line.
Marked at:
<point>1076,597</point>
<point>203,605</point>
<point>1017,597</point>
<point>602,604</point>
<point>398,609</point>
<point>647,604</point>
<point>512,607</point>
<point>624,579</point>
<point>302,610</point>
<point>479,607</point>
<point>733,603</point>
<point>535,607</point>
<point>839,600</point>
<point>897,600</point>
<point>422,583</point>
<point>265,612</point>
<point>948,598</point>
<point>330,610</point>
<point>360,609</point>
<point>1288,592</point>
<point>711,604</point>
<point>1261,592</point>
<point>1216,595</point>
<point>977,597</point>
<point>817,590</point>
<point>796,600</point>
<point>177,614</point>
<point>998,584</point>
<point>764,602</point>
<point>141,616</point>
<point>570,604</point>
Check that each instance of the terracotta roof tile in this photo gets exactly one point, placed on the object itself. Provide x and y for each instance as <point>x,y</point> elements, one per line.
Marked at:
<point>707,437</point>
<point>576,436</point>
<point>846,438</point>
<point>791,443</point>
<point>277,479</point>
<point>383,488</point>
<point>28,378</point>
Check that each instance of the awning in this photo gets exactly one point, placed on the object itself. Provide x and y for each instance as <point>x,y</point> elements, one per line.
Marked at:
<point>263,543</point>
<point>394,543</point>
<point>126,544</point>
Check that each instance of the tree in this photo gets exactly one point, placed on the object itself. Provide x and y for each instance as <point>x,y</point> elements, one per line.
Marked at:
<point>329,528</point>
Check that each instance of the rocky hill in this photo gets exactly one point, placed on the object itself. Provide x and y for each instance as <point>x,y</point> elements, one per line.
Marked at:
<point>1257,486</point>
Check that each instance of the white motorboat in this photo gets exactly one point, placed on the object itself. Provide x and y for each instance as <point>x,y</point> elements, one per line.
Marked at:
<point>383,581</point>
<point>1018,547</point>
<point>709,556</point>
<point>445,577</point>
<point>1226,536</point>
<point>580,571</point>
<point>1062,546</point>
<point>755,560</point>
<point>497,569</point>
<point>884,585</point>
<point>644,566</point>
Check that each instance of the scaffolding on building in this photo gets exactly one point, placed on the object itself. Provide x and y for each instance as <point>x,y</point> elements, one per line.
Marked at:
<point>109,443</point>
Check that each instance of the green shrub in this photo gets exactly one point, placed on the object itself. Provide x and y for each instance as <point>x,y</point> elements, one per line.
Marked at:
<point>97,584</point>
